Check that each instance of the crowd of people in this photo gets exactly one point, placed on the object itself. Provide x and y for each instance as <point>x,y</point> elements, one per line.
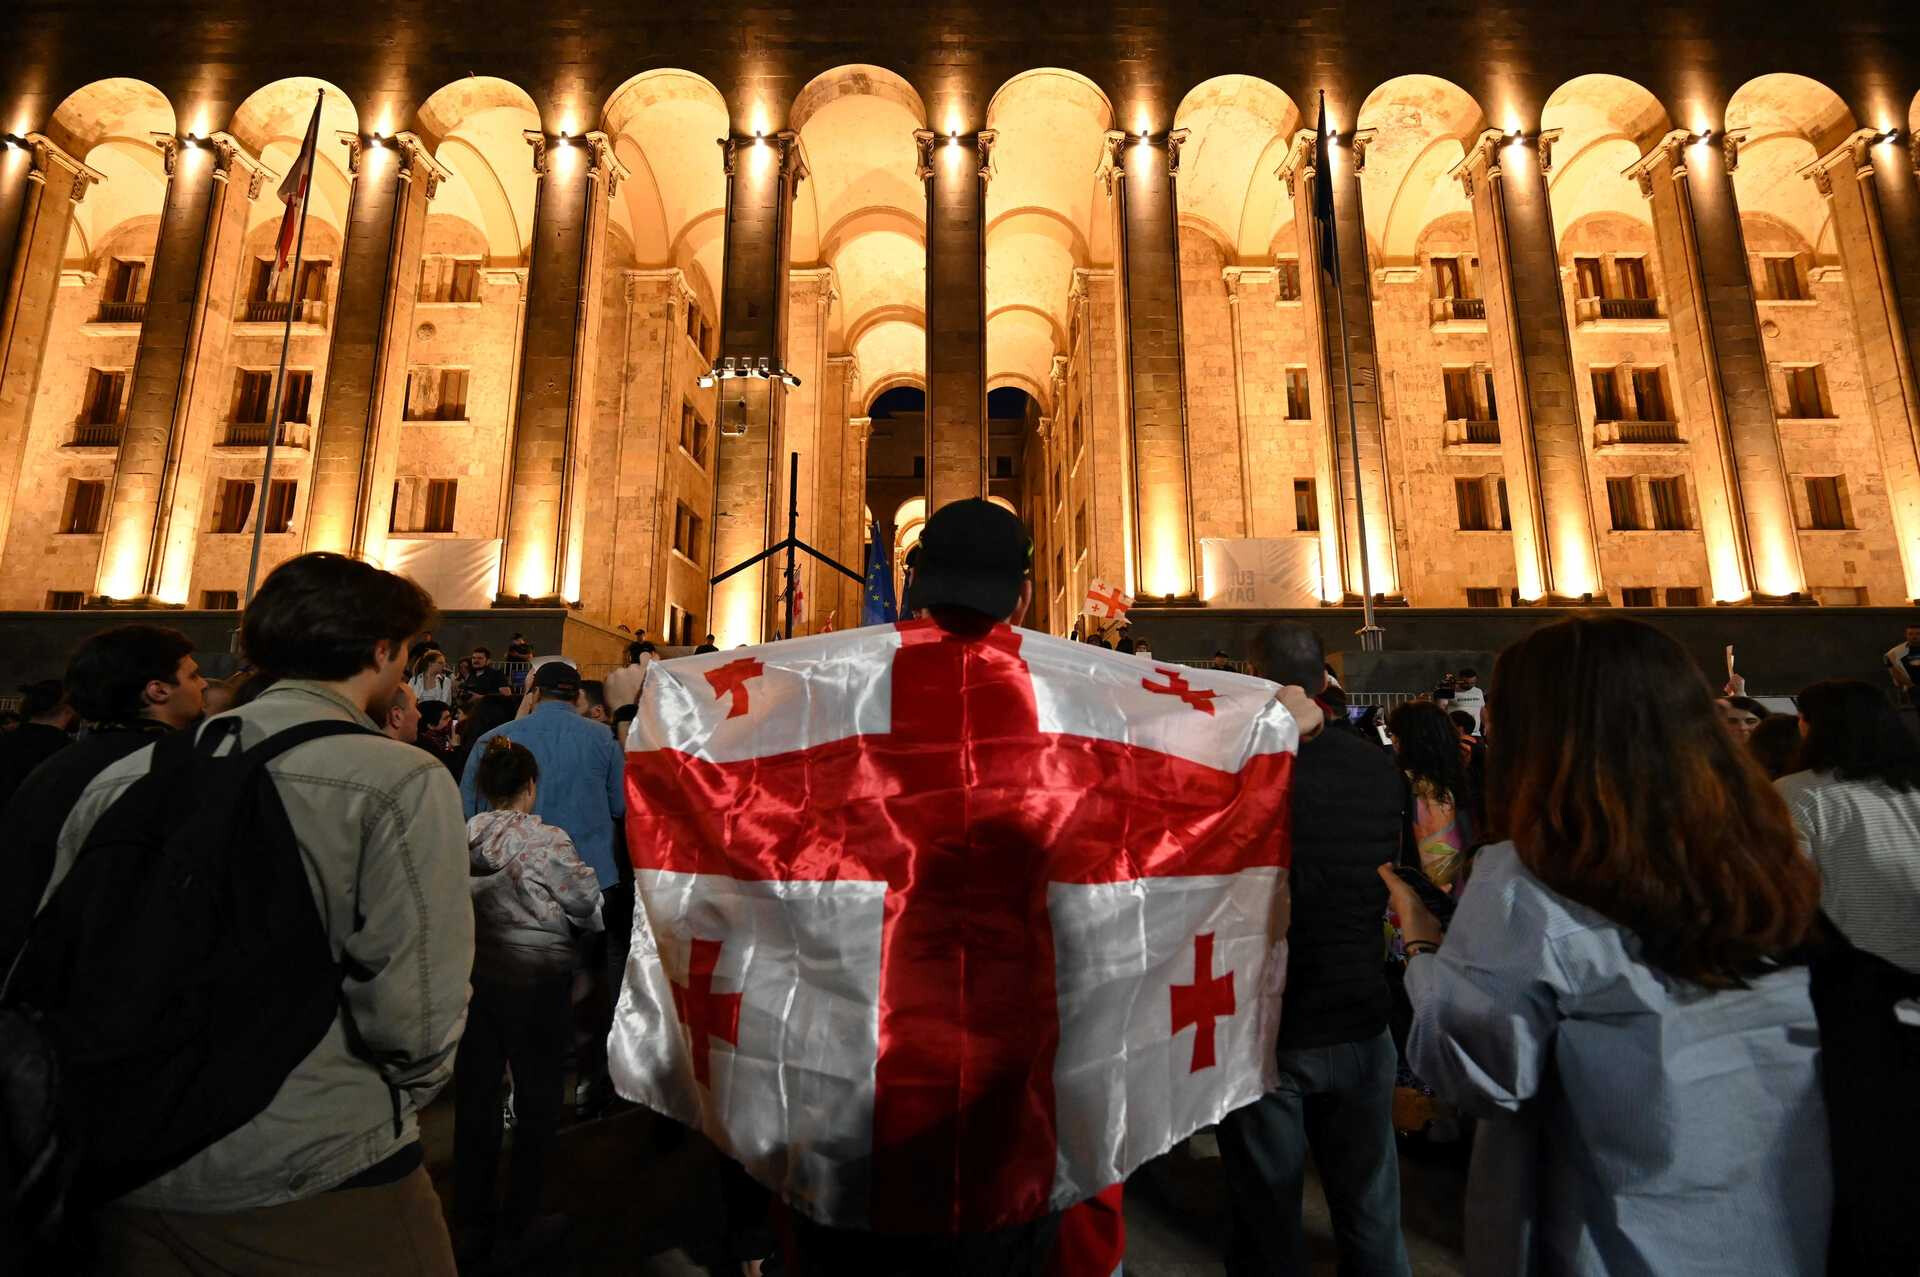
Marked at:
<point>1651,946</point>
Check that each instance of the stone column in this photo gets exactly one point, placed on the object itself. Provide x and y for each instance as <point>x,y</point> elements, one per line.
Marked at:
<point>153,529</point>
<point>955,170</point>
<point>1753,552</point>
<point>540,561</point>
<point>366,387</point>
<point>1142,176</point>
<point>1554,547</point>
<point>810,298</point>
<point>1869,183</point>
<point>39,186</point>
<point>762,174</point>
<point>859,434</point>
<point>1340,497</point>
<point>1234,276</point>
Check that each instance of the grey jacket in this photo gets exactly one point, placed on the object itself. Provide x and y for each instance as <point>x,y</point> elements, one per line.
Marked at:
<point>386,855</point>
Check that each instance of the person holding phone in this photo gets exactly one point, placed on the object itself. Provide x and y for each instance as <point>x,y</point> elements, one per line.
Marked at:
<point>1620,993</point>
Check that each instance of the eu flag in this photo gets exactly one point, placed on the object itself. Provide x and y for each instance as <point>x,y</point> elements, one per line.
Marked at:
<point>876,607</point>
<point>1323,190</point>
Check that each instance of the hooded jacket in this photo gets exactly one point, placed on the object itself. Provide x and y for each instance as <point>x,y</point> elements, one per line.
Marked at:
<point>531,891</point>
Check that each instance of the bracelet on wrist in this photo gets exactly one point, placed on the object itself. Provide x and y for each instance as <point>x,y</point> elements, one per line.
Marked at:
<point>1415,948</point>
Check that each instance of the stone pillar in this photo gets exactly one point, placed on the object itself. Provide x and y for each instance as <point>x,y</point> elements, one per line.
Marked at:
<point>1752,549</point>
<point>1342,491</point>
<point>1555,551</point>
<point>955,170</point>
<point>1869,184</point>
<point>1233,277</point>
<point>810,298</point>
<point>540,562</point>
<point>153,520</point>
<point>364,399</point>
<point>859,435</point>
<point>1142,176</point>
<point>39,186</point>
<point>762,174</point>
<point>1103,478</point>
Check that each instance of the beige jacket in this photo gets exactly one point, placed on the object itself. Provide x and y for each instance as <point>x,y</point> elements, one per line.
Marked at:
<point>380,825</point>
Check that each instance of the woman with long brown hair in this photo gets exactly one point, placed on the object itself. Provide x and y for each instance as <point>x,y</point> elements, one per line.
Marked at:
<point>1619,993</point>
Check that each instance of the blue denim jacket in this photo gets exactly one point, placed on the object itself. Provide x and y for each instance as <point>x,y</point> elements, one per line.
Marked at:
<point>582,781</point>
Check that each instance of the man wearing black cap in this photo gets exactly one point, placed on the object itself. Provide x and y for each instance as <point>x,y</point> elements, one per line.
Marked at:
<point>583,791</point>
<point>970,568</point>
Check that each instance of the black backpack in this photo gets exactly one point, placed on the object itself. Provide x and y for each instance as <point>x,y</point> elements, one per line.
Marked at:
<point>170,984</point>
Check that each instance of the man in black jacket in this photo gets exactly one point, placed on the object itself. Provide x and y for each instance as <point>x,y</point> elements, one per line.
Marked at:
<point>128,685</point>
<point>1336,1056</point>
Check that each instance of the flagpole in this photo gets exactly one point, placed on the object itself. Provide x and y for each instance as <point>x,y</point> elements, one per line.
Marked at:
<point>277,409</point>
<point>1372,637</point>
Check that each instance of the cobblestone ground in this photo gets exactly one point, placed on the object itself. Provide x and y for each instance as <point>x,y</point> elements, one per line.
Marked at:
<point>643,1197</point>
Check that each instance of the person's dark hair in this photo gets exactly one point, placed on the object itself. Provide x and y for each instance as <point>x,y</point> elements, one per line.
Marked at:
<point>1620,789</point>
<point>1748,705</point>
<point>1468,673</point>
<point>1126,645</point>
<point>108,675</point>
<point>635,650</point>
<point>1461,719</point>
<point>1291,654</point>
<point>318,616</point>
<point>596,692</point>
<point>1854,733</point>
<point>646,645</point>
<point>481,649</point>
<point>1428,748</point>
<point>431,712</point>
<point>41,697</point>
<point>505,771</point>
<point>488,712</point>
<point>1776,744</point>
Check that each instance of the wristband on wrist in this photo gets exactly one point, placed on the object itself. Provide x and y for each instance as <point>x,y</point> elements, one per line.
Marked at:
<point>1415,948</point>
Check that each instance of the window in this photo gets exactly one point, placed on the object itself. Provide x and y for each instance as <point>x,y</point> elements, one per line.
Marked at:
<point>1298,407</point>
<point>65,600</point>
<point>686,530</point>
<point>693,435</point>
<point>1624,505</point>
<point>1470,497</point>
<point>1506,519</point>
<point>1059,570</point>
<point>251,397</point>
<point>1826,502</point>
<point>1783,279</point>
<point>294,402</point>
<point>1449,281</point>
<point>105,390</point>
<point>219,600</point>
<point>1286,278</point>
<point>437,394</point>
<point>449,279</point>
<point>682,626</point>
<point>126,281</point>
<point>1003,467</point>
<point>1606,395</point>
<point>1683,596</point>
<point>260,280</point>
<point>1650,395</point>
<point>86,504</point>
<point>1074,436</point>
<point>1632,272</point>
<point>1080,529</point>
<point>442,497</point>
<point>1487,401</point>
<point>1806,392</point>
<point>1457,384</point>
<point>919,466</point>
<point>1306,506</point>
<point>699,331</point>
<point>279,510</point>
<point>1636,596</point>
<point>1588,275</point>
<point>313,281</point>
<point>1668,496</point>
<point>1483,596</point>
<point>234,504</point>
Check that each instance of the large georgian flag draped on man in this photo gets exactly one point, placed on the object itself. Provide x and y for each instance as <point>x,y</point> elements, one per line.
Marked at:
<point>939,934</point>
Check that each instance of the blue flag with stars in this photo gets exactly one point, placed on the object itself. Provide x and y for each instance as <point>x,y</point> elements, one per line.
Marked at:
<point>877,608</point>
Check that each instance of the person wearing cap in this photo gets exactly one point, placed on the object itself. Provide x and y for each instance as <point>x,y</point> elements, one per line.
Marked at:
<point>583,792</point>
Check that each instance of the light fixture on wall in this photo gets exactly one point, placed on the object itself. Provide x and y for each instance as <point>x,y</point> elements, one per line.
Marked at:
<point>732,368</point>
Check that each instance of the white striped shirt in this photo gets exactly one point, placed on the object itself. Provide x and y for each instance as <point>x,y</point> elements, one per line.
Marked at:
<point>1865,835</point>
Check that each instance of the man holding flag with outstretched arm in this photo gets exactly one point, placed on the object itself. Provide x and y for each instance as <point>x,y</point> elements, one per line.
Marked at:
<point>945,926</point>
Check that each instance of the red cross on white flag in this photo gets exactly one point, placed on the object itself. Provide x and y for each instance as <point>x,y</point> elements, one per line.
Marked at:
<point>940,934</point>
<point>1107,600</point>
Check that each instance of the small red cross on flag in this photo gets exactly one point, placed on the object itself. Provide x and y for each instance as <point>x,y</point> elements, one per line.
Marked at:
<point>951,931</point>
<point>1107,600</point>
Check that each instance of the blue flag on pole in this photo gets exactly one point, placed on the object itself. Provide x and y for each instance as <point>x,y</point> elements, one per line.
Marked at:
<point>876,607</point>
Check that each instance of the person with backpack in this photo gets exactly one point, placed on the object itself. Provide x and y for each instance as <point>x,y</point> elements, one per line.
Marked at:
<point>531,895</point>
<point>247,1078</point>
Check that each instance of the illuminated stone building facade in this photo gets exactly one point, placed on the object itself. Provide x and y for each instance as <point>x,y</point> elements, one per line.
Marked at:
<point>1631,316</point>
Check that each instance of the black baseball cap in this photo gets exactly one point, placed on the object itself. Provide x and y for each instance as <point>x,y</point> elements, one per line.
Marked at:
<point>558,677</point>
<point>972,554</point>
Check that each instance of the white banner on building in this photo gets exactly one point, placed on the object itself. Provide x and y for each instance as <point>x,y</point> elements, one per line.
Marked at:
<point>460,575</point>
<point>1278,572</point>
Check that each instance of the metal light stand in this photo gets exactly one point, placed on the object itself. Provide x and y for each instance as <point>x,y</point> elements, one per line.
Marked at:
<point>791,545</point>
